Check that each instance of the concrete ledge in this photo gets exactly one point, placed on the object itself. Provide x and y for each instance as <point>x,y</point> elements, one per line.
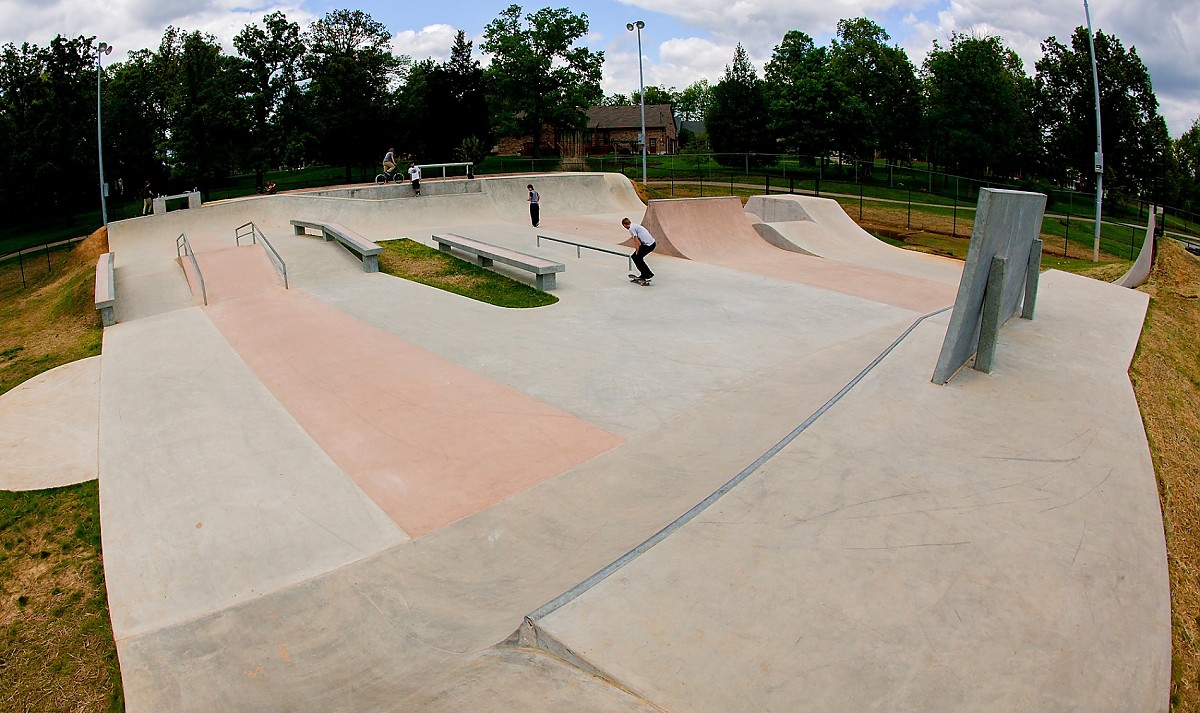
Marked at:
<point>366,250</point>
<point>106,290</point>
<point>485,254</point>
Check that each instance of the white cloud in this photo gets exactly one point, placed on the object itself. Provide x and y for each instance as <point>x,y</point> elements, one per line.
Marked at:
<point>431,41</point>
<point>1164,33</point>
<point>134,24</point>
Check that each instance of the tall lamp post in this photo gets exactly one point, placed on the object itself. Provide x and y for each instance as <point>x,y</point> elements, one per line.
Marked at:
<point>632,26</point>
<point>1099,144</point>
<point>103,49</point>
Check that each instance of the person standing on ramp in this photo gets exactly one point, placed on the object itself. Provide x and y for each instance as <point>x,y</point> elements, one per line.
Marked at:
<point>534,209</point>
<point>414,173</point>
<point>645,246</point>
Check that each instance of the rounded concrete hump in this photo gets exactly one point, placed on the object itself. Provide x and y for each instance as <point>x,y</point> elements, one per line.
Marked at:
<point>779,209</point>
<point>769,233</point>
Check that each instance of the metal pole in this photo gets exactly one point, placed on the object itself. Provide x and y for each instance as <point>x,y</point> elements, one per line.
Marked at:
<point>1099,143</point>
<point>103,49</point>
<point>642,89</point>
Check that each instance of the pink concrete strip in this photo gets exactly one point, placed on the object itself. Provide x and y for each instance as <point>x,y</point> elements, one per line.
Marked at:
<point>429,441</point>
<point>231,272</point>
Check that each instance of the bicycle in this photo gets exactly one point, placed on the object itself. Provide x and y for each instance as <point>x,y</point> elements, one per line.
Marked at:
<point>392,176</point>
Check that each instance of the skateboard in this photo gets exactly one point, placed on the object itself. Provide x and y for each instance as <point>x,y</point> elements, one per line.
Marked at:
<point>637,279</point>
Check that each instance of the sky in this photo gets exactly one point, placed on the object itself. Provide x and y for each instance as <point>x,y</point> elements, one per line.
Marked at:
<point>683,40</point>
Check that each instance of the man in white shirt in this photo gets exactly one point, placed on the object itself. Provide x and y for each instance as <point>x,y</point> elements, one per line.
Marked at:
<point>414,172</point>
<point>645,246</point>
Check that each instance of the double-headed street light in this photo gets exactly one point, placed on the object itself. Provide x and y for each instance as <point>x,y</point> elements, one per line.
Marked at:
<point>103,49</point>
<point>632,26</point>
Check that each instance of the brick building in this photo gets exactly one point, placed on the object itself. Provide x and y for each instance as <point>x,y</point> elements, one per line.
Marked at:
<point>610,129</point>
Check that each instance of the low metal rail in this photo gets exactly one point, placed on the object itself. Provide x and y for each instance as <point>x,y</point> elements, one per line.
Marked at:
<point>183,247</point>
<point>579,252</point>
<point>250,230</point>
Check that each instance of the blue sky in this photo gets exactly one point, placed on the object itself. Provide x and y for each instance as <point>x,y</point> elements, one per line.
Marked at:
<point>684,40</point>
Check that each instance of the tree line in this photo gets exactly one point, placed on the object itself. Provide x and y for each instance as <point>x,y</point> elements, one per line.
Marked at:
<point>969,109</point>
<point>188,114</point>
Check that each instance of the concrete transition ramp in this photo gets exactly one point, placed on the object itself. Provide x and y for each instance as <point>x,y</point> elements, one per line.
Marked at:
<point>1139,272</point>
<point>718,231</point>
<point>819,226</point>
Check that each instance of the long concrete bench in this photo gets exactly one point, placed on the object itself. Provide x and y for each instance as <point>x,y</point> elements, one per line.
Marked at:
<point>366,250</point>
<point>485,254</point>
<point>106,290</point>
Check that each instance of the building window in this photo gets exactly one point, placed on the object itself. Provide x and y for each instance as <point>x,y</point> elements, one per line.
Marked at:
<point>653,144</point>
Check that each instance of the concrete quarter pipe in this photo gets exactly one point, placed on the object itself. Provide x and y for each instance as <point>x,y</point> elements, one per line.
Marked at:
<point>718,231</point>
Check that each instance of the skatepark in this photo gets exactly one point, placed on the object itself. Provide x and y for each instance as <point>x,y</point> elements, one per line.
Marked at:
<point>735,489</point>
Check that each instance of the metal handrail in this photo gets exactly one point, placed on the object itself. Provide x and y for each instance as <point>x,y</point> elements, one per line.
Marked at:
<point>444,166</point>
<point>255,234</point>
<point>182,246</point>
<point>579,253</point>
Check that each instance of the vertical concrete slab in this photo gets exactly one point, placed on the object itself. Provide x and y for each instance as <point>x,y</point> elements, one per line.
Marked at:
<point>1006,224</point>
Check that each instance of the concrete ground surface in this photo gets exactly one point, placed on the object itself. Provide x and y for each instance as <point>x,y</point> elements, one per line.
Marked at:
<point>347,495</point>
<point>48,428</point>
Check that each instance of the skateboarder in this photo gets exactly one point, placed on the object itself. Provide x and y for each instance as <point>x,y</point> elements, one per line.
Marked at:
<point>534,209</point>
<point>645,246</point>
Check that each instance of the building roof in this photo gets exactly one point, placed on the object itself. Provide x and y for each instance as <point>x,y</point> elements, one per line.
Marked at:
<point>629,117</point>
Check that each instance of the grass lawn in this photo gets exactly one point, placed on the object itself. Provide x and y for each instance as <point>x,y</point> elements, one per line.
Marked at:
<point>56,647</point>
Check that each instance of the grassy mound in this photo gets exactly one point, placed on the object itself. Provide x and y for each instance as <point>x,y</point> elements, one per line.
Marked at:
<point>56,646</point>
<point>1166,377</point>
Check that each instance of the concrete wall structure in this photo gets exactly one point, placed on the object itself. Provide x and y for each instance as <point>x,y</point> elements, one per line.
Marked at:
<point>1006,225</point>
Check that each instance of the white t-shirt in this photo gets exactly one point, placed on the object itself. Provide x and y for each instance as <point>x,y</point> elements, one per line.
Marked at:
<point>643,235</point>
<point>414,172</point>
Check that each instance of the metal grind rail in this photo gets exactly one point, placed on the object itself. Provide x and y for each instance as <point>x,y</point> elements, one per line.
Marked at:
<point>183,246</point>
<point>252,231</point>
<point>579,252</point>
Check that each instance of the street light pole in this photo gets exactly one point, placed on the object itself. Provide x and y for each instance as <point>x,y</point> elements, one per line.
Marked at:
<point>641,90</point>
<point>1099,144</point>
<point>103,49</point>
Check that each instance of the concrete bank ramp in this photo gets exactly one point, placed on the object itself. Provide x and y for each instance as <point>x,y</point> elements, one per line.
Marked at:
<point>718,231</point>
<point>992,545</point>
<point>819,226</point>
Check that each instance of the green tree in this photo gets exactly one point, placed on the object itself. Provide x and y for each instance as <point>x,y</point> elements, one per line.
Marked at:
<point>803,95</point>
<point>978,108</point>
<point>272,54</point>
<point>351,73</point>
<point>1134,142</point>
<point>1187,159</point>
<point>463,107</point>
<point>135,123</point>
<point>737,119</point>
<point>207,112</point>
<point>881,109</point>
<point>539,77</point>
<point>48,114</point>
<point>656,95</point>
<point>694,100</point>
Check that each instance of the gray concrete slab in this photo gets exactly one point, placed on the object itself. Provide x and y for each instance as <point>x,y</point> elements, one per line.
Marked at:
<point>994,545</point>
<point>49,426</point>
<point>835,576</point>
<point>211,493</point>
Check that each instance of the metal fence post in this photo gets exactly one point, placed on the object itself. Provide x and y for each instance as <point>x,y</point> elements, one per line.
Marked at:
<point>954,224</point>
